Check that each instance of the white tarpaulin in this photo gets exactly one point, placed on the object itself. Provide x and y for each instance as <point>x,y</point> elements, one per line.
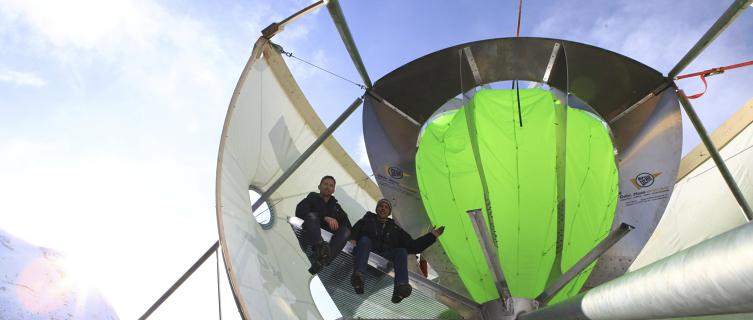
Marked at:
<point>268,126</point>
<point>702,206</point>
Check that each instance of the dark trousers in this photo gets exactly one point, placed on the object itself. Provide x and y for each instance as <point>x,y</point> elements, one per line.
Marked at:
<point>311,224</point>
<point>399,258</point>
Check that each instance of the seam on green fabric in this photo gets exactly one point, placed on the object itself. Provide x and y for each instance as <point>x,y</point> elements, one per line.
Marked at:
<point>462,219</point>
<point>580,193</point>
<point>517,181</point>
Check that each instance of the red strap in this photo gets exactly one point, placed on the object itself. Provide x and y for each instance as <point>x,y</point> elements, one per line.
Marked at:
<point>696,96</point>
<point>710,72</point>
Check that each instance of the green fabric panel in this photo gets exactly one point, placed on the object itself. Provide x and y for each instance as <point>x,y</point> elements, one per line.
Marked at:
<point>522,184</point>
<point>445,160</point>
<point>519,166</point>
<point>525,220</point>
<point>591,192</point>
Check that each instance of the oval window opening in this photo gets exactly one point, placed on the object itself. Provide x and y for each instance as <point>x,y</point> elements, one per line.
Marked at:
<point>265,215</point>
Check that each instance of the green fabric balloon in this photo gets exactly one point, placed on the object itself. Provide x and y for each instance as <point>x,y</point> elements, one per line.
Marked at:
<point>483,149</point>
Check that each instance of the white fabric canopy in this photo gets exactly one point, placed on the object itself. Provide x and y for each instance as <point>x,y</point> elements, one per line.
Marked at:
<point>268,125</point>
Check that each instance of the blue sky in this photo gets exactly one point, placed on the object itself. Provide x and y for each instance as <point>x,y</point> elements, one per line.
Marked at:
<point>111,112</point>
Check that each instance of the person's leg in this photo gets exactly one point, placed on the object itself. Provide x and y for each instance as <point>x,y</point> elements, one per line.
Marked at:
<point>311,225</point>
<point>399,258</point>
<point>363,249</point>
<point>337,243</point>
<point>318,245</point>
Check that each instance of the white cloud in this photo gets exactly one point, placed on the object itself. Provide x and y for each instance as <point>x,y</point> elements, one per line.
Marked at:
<point>21,78</point>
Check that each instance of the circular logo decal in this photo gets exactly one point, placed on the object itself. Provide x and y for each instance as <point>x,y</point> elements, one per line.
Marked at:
<point>644,180</point>
<point>395,172</point>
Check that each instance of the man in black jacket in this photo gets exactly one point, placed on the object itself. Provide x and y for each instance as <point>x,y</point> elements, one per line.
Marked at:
<point>321,210</point>
<point>379,234</point>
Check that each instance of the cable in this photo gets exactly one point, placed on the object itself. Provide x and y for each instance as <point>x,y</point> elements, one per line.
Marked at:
<point>520,8</point>
<point>520,116</point>
<point>290,54</point>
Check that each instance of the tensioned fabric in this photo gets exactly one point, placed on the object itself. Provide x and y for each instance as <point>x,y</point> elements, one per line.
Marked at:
<point>269,124</point>
<point>520,169</point>
<point>702,206</point>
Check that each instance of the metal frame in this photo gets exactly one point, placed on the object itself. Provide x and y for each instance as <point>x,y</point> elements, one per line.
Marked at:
<point>712,277</point>
<point>177,284</point>
<point>306,154</point>
<point>714,152</point>
<point>614,236</point>
<point>342,27</point>
<point>729,16</point>
<point>419,281</point>
<point>490,254</point>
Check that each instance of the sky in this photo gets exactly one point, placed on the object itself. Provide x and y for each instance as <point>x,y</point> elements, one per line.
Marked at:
<point>111,111</point>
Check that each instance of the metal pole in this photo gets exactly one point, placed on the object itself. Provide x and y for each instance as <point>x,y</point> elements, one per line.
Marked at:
<point>490,253</point>
<point>307,153</point>
<point>715,155</point>
<point>734,11</point>
<point>710,278</point>
<point>614,236</point>
<point>219,296</point>
<point>342,26</point>
<point>181,280</point>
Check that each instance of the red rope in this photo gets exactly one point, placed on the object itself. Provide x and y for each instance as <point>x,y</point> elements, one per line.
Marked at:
<point>710,72</point>
<point>520,8</point>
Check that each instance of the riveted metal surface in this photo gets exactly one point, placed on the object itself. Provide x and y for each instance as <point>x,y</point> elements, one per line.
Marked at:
<point>605,80</point>
<point>649,146</point>
<point>648,139</point>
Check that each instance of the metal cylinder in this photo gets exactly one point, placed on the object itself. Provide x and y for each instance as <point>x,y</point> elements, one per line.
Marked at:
<point>712,277</point>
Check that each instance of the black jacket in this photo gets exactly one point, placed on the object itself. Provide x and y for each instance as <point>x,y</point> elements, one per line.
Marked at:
<point>315,203</point>
<point>389,237</point>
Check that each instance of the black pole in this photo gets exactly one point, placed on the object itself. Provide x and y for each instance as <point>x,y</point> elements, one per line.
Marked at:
<point>219,297</point>
<point>728,178</point>
<point>729,16</point>
<point>181,280</point>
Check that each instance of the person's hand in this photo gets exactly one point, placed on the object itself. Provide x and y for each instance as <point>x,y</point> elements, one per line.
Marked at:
<point>332,222</point>
<point>353,242</point>
<point>438,231</point>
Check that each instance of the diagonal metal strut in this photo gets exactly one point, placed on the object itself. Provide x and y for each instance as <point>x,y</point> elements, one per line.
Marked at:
<point>614,236</point>
<point>490,254</point>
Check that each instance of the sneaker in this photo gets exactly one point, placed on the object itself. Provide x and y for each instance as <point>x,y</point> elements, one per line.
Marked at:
<point>357,280</point>
<point>316,267</point>
<point>402,291</point>
<point>322,252</point>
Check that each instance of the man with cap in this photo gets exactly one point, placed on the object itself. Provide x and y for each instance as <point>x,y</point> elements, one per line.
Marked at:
<point>377,233</point>
<point>321,210</point>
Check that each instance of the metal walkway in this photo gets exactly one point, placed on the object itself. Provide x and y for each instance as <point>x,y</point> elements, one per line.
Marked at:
<point>375,303</point>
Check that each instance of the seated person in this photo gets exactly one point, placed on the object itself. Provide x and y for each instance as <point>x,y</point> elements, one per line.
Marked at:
<point>321,210</point>
<point>379,234</point>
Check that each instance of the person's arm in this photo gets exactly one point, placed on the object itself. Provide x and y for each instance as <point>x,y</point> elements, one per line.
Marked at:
<point>421,243</point>
<point>355,232</point>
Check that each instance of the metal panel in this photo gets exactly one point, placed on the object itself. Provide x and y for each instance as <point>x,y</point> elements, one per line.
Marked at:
<point>649,144</point>
<point>392,158</point>
<point>605,80</point>
<point>648,139</point>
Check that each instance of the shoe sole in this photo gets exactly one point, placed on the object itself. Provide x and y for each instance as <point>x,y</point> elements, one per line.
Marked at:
<point>316,267</point>
<point>402,293</point>
<point>355,280</point>
<point>324,253</point>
